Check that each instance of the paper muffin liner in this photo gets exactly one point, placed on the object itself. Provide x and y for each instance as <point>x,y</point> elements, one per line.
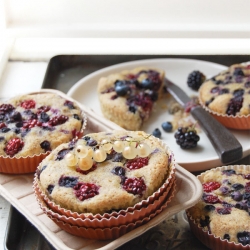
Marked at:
<point>108,233</point>
<point>207,238</point>
<point>240,122</point>
<point>130,211</point>
<point>106,220</point>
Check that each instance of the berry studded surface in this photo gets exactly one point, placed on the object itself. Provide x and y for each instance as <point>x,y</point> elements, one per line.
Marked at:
<point>224,209</point>
<point>127,98</point>
<point>228,93</point>
<point>34,124</point>
<point>114,184</point>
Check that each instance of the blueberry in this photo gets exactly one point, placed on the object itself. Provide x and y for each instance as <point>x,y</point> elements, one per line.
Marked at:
<point>147,84</point>
<point>119,83</point>
<point>224,190</point>
<point>238,92</point>
<point>122,90</point>
<point>69,104</point>
<point>44,117</point>
<point>209,208</point>
<point>5,130</point>
<point>226,237</point>
<point>132,108</point>
<point>241,205</point>
<point>236,195</point>
<point>167,126</point>
<point>238,72</point>
<point>205,222</point>
<point>76,117</point>
<point>224,91</point>
<point>228,172</point>
<point>118,157</point>
<point>247,84</point>
<point>244,238</point>
<point>67,181</point>
<point>153,96</point>
<point>61,154</point>
<point>246,196</point>
<point>237,186</point>
<point>19,124</point>
<point>118,171</point>
<point>91,142</point>
<point>1,138</point>
<point>50,188</point>
<point>45,145</point>
<point>157,133</point>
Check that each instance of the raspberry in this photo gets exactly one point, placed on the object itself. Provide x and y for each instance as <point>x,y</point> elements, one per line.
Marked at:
<point>137,163</point>
<point>13,146</point>
<point>6,108</point>
<point>134,186</point>
<point>224,210</point>
<point>2,125</point>
<point>28,104</point>
<point>186,137</point>
<point>209,198</point>
<point>210,186</point>
<point>58,120</point>
<point>247,176</point>
<point>195,79</point>
<point>247,187</point>
<point>43,109</point>
<point>85,191</point>
<point>76,133</point>
<point>32,123</point>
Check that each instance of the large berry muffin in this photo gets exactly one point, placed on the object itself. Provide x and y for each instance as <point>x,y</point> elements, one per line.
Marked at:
<point>224,210</point>
<point>105,171</point>
<point>127,98</point>
<point>227,96</point>
<point>35,124</point>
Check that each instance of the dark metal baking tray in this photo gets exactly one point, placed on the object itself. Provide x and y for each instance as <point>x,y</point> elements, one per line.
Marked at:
<point>62,73</point>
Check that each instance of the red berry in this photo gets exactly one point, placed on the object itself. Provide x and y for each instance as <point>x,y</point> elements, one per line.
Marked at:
<point>86,171</point>
<point>76,133</point>
<point>32,123</point>
<point>28,104</point>
<point>57,120</point>
<point>209,198</point>
<point>43,109</point>
<point>2,125</point>
<point>210,186</point>
<point>13,146</point>
<point>134,185</point>
<point>5,108</point>
<point>137,163</point>
<point>85,191</point>
<point>247,176</point>
<point>247,187</point>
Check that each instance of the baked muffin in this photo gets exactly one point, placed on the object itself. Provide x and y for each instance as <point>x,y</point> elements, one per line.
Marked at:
<point>227,96</point>
<point>224,210</point>
<point>127,98</point>
<point>33,125</point>
<point>102,172</point>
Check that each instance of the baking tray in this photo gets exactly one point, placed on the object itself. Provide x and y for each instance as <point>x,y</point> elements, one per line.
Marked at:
<point>62,73</point>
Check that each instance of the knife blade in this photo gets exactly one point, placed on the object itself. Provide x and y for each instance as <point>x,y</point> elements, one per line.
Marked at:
<point>224,142</point>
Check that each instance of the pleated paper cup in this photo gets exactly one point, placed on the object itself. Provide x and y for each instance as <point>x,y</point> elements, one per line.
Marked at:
<point>240,122</point>
<point>207,238</point>
<point>107,233</point>
<point>125,217</point>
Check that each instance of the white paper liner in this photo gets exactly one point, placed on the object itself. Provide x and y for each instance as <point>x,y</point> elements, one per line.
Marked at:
<point>208,239</point>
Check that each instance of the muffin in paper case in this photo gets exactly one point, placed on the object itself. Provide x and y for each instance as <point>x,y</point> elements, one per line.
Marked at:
<point>32,125</point>
<point>226,96</point>
<point>100,232</point>
<point>114,219</point>
<point>220,220</point>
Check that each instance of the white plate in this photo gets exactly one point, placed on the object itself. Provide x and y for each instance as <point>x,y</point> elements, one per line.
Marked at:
<point>201,158</point>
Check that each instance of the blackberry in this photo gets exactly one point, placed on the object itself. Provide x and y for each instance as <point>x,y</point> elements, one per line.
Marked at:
<point>195,79</point>
<point>186,137</point>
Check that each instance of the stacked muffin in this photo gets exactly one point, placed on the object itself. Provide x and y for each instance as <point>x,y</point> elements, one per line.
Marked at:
<point>106,184</point>
<point>34,124</point>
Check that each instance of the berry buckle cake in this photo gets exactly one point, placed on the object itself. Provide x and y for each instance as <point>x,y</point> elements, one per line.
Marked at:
<point>227,96</point>
<point>222,217</point>
<point>102,175</point>
<point>32,125</point>
<point>127,98</point>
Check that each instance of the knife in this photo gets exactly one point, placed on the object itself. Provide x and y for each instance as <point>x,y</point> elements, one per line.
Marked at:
<point>226,145</point>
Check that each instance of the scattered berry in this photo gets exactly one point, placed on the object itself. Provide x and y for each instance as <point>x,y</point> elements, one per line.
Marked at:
<point>167,126</point>
<point>186,137</point>
<point>32,123</point>
<point>28,104</point>
<point>45,145</point>
<point>13,146</point>
<point>157,133</point>
<point>210,186</point>
<point>85,191</point>
<point>147,84</point>
<point>195,79</point>
<point>137,163</point>
<point>134,186</point>
<point>122,90</point>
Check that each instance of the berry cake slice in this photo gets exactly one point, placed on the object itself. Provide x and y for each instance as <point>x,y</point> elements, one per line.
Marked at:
<point>127,98</point>
<point>224,209</point>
